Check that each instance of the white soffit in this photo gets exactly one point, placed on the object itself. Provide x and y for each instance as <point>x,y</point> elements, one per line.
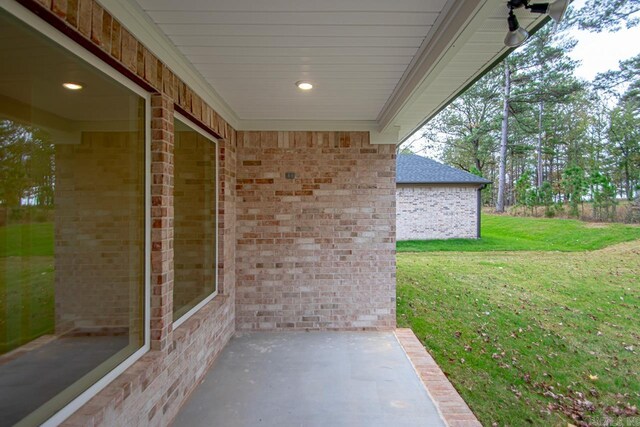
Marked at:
<point>379,65</point>
<point>252,52</point>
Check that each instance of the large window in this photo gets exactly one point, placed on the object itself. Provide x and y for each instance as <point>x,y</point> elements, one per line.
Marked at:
<point>195,220</point>
<point>72,225</point>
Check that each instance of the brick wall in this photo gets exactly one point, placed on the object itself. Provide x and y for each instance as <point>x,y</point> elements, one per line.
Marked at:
<point>152,390</point>
<point>99,231</point>
<point>317,251</point>
<point>436,212</point>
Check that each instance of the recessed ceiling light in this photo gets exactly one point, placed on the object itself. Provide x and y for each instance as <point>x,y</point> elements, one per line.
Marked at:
<point>304,85</point>
<point>72,86</point>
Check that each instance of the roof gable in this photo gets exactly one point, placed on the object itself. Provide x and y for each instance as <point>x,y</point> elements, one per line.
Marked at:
<point>414,169</point>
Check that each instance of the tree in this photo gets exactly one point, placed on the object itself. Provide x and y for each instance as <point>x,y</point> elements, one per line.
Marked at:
<point>532,120</point>
<point>26,165</point>
<point>544,79</point>
<point>603,194</point>
<point>504,138</point>
<point>467,127</point>
<point>575,185</point>
<point>627,75</point>
<point>624,134</point>
<point>606,15</point>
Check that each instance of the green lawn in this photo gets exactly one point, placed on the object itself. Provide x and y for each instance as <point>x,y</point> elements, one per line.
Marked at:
<point>26,283</point>
<point>26,240</point>
<point>507,233</point>
<point>26,286</point>
<point>537,337</point>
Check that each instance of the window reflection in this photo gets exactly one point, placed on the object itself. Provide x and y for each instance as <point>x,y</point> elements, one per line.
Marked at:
<point>71,225</point>
<point>195,219</point>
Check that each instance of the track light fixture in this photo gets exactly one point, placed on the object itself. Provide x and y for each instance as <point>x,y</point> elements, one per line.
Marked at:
<point>516,35</point>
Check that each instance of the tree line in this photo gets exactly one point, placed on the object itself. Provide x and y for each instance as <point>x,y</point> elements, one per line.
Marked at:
<point>540,134</point>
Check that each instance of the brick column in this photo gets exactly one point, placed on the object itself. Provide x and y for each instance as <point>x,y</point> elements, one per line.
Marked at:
<point>162,218</point>
<point>226,217</point>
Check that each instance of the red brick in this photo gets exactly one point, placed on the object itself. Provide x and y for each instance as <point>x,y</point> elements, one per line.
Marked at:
<point>84,17</point>
<point>59,7</point>
<point>452,407</point>
<point>96,23</point>
<point>320,216</point>
<point>72,13</point>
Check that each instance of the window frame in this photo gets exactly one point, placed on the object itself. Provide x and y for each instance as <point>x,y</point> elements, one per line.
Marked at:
<point>185,120</point>
<point>49,32</point>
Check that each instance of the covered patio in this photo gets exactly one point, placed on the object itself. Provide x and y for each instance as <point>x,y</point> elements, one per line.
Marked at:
<point>187,174</point>
<point>310,379</point>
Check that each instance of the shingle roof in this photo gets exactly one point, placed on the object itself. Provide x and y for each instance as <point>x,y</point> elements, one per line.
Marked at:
<point>414,169</point>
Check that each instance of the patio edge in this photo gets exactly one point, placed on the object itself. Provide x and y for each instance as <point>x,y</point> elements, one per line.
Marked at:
<point>452,408</point>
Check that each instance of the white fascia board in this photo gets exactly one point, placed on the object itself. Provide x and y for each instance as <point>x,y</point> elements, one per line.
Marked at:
<point>446,34</point>
<point>138,23</point>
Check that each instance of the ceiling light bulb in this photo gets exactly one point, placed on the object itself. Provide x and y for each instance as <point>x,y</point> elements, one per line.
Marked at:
<point>72,86</point>
<point>304,85</point>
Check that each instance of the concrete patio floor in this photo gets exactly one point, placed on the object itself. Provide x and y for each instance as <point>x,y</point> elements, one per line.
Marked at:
<point>311,379</point>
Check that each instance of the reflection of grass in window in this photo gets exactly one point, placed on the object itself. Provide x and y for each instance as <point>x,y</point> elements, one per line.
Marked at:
<point>26,283</point>
<point>26,240</point>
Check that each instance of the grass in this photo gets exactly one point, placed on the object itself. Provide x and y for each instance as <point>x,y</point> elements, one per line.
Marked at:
<point>26,283</point>
<point>507,233</point>
<point>536,337</point>
<point>26,287</point>
<point>23,240</point>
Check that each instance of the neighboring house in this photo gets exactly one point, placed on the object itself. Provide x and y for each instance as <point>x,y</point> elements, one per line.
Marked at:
<point>195,189</point>
<point>436,201</point>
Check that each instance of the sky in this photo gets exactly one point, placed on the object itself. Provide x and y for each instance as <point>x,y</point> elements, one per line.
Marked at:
<point>599,52</point>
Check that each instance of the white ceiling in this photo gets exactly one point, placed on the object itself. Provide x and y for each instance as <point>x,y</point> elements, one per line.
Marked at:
<point>385,66</point>
<point>252,52</point>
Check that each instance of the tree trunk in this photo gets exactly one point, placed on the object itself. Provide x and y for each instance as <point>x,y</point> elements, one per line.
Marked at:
<point>539,160</point>
<point>627,181</point>
<point>503,139</point>
<point>550,177</point>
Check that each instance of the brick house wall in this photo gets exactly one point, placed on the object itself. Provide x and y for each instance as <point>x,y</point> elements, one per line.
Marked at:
<point>152,390</point>
<point>316,251</point>
<point>426,211</point>
<point>99,220</point>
